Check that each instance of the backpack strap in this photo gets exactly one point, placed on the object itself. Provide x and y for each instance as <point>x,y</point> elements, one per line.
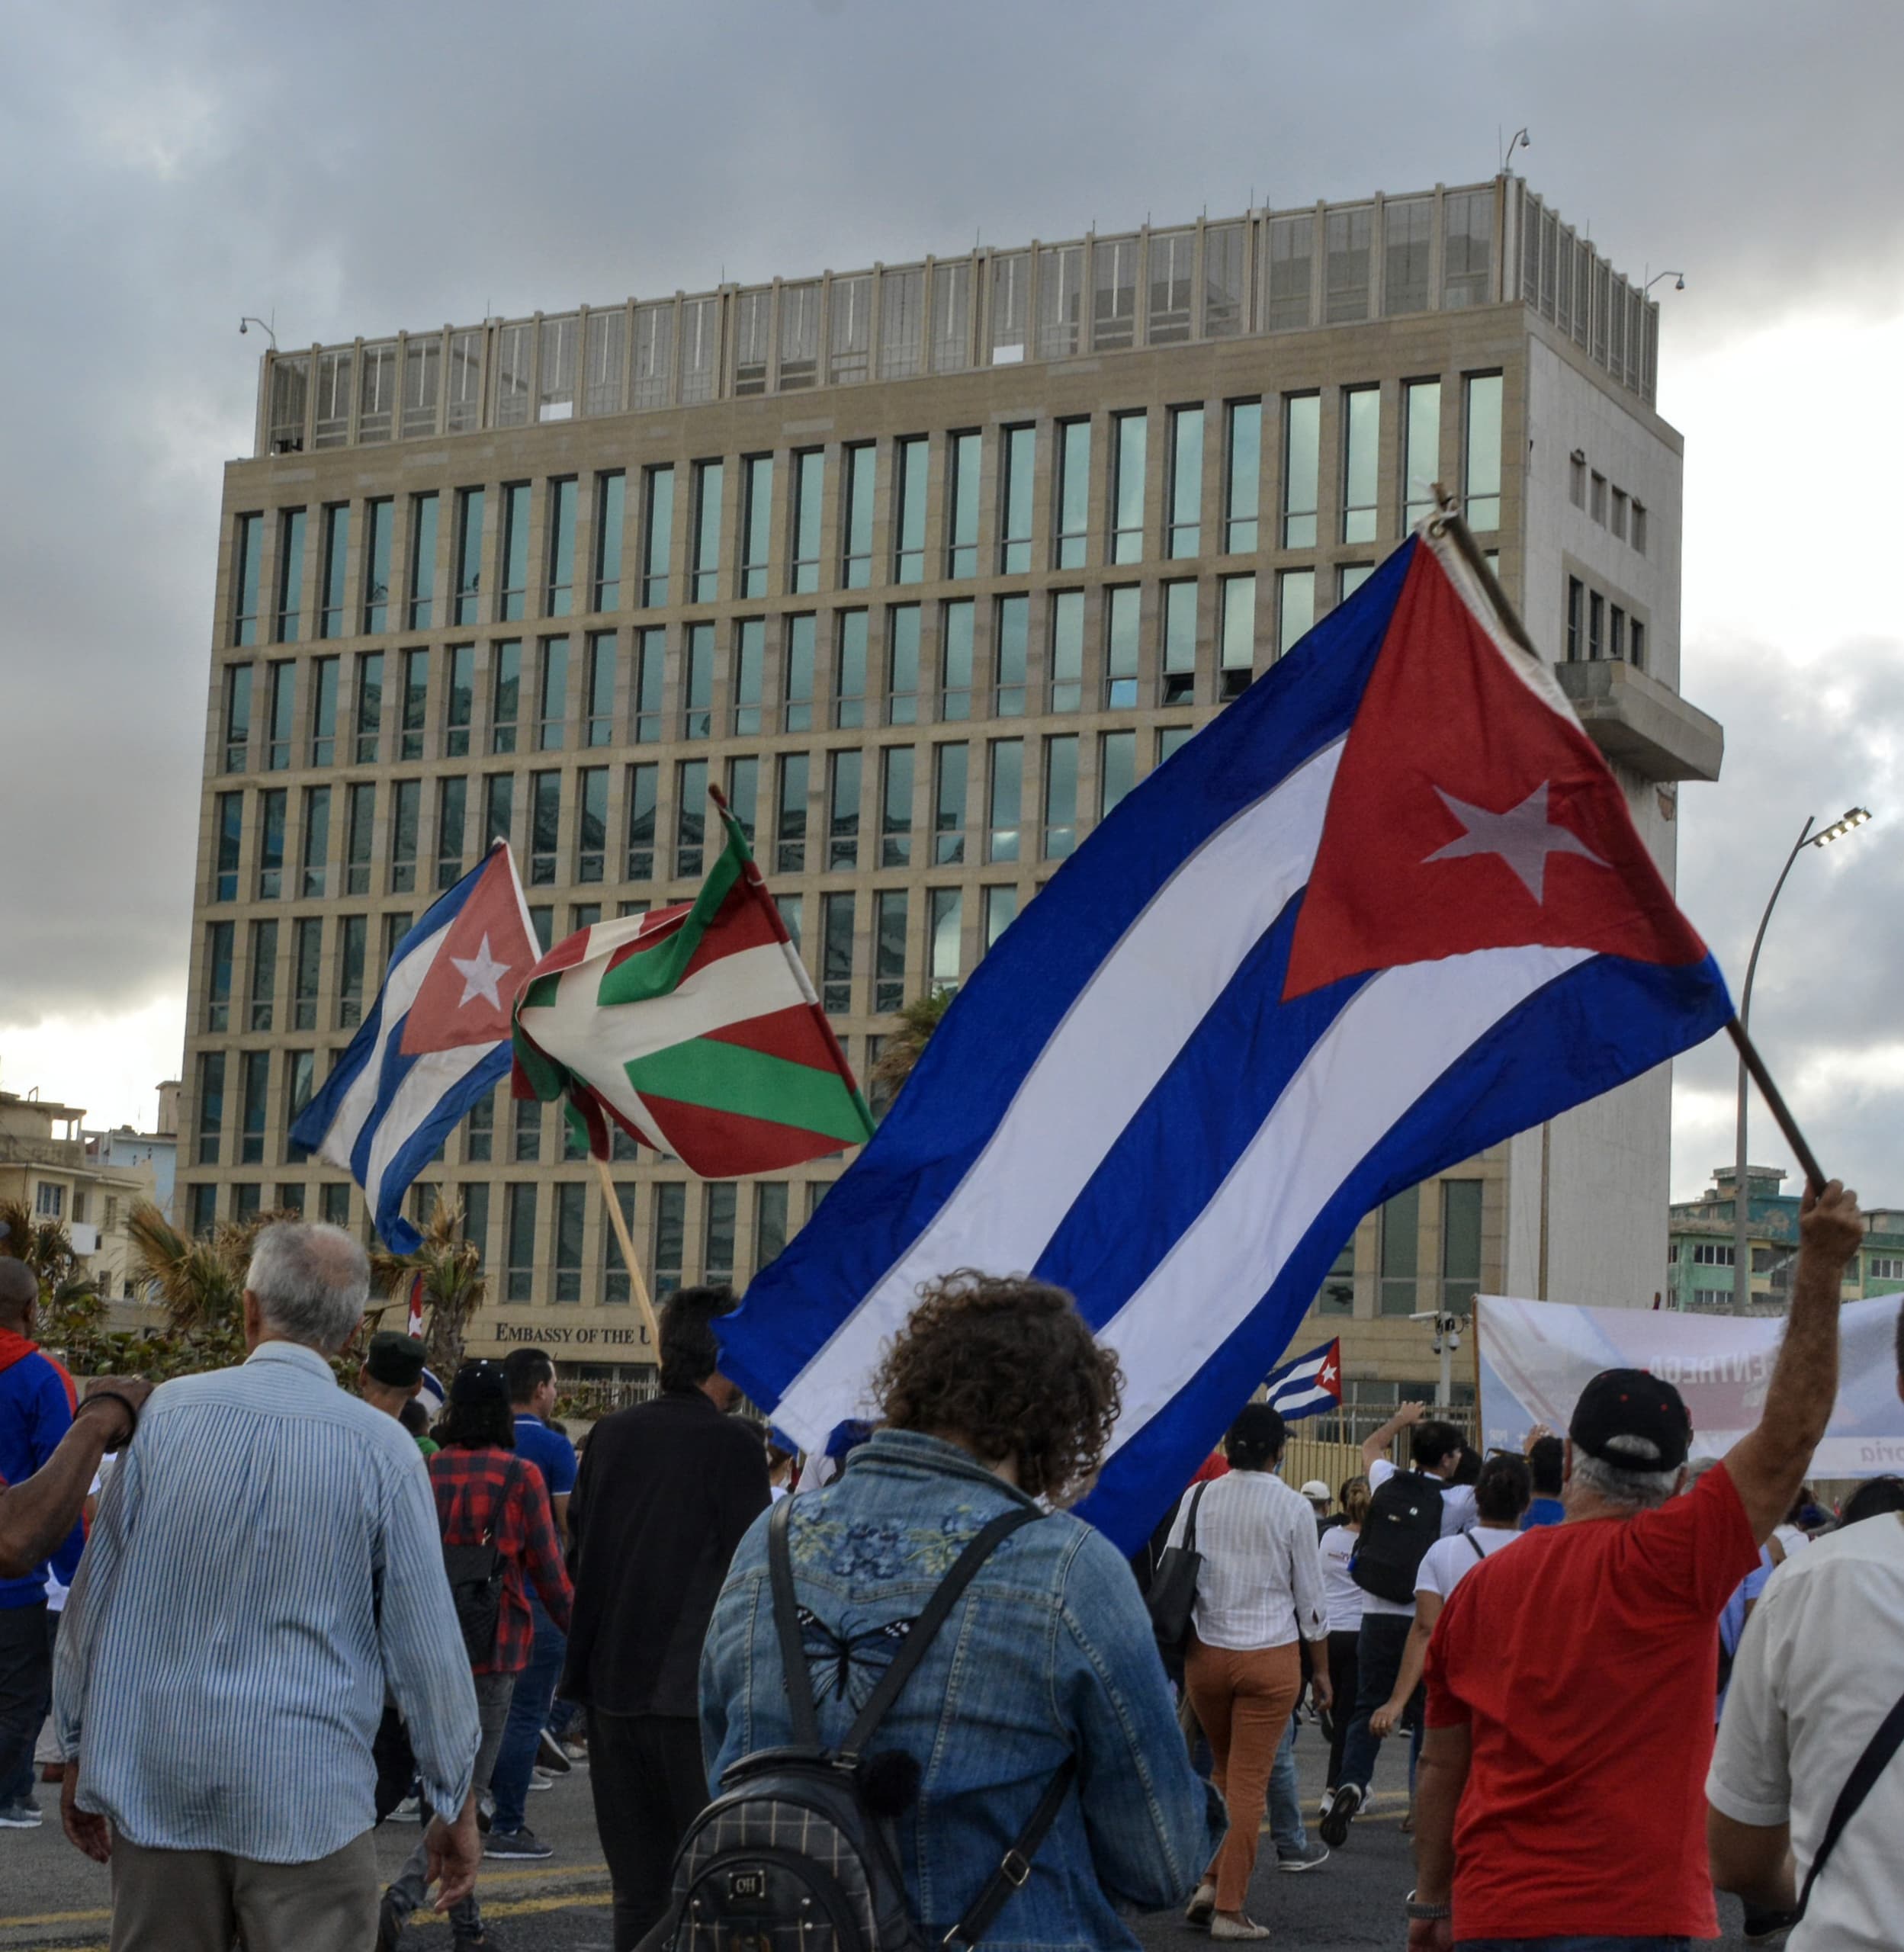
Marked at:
<point>793,1653</point>
<point>1857,1785</point>
<point>945,1596</point>
<point>1014,1868</point>
<point>1469,1535</point>
<point>1190,1523</point>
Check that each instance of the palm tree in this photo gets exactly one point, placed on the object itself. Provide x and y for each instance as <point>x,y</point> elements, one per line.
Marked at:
<point>905,1046</point>
<point>200,1279</point>
<point>454,1284</point>
<point>71,1308</point>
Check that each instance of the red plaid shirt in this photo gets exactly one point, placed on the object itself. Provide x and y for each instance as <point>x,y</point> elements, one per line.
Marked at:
<point>489,1490</point>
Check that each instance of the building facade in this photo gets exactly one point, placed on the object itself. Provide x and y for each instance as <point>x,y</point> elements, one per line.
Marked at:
<point>54,1169</point>
<point>926,566</point>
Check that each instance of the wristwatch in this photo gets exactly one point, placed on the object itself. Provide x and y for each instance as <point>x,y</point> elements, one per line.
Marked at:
<point>1417,1909</point>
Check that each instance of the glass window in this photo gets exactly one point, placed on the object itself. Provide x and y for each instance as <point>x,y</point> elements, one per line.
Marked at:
<point>1408,226</point>
<point>1576,606</point>
<point>889,951</point>
<point>1130,440</point>
<point>317,842</point>
<point>218,958</point>
<point>1302,459</point>
<point>248,544</point>
<point>1296,607</point>
<point>1185,536</point>
<point>769,1219</point>
<point>506,693</point>
<point>644,783</point>
<point>1013,617</point>
<point>264,975</point>
<point>657,545</point>
<point>1238,655</point>
<point>963,452</point>
<point>790,907</point>
<point>592,825</point>
<point>1116,768</point>
<point>721,1199</point>
<point>1010,289</point>
<point>955,660</point>
<point>849,671</point>
<point>270,844</point>
<point>300,1077</point>
<point>407,801</point>
<point>1007,799</point>
<point>353,939</point>
<point>1596,618</point>
<point>697,683</point>
<point>756,522</point>
<point>911,460</point>
<point>1015,499</point>
<point>1171,739</point>
<point>1244,449</point>
<point>1179,642</point>
<point>863,471</point>
<point>414,705</point>
<point>945,919</point>
<point>690,817</point>
<point>291,574</point>
<point>518,1283</point>
<point>1292,273</point>
<point>369,707</point>
<point>460,705</point>
<point>307,967</point>
<point>332,570</point>
<point>1361,444</point>
<point>670,1234</point>
<point>797,712</point>
<point>1061,796</point>
<point>809,496</point>
<point>750,678</point>
<point>843,815</point>
<point>1122,611</point>
<point>1460,1243</point>
<point>1421,448</point>
<point>237,715</point>
<point>254,1088</point>
<point>1350,577</point>
<point>1400,1251</point>
<point>902,665</point>
<point>284,696</point>
<point>836,931</point>
<point>950,764</point>
<point>743,794</point>
<point>377,524</point>
<point>1636,644</point>
<point>469,556</point>
<point>710,478</point>
<point>452,821</point>
<point>1346,237</point>
<point>895,806</point>
<point>499,809</point>
<point>359,826</point>
<point>560,596</point>
<point>1467,249</point>
<point>610,496</point>
<point>790,817</point>
<point>513,597</point>
<point>1067,649</point>
<point>421,613</point>
<point>211,1105</point>
<point>1001,910</point>
<point>230,815</point>
<point>650,668</point>
<point>1173,254</point>
<point>1074,493</point>
<point>598,690</point>
<point>323,710</point>
<point>1616,631</point>
<point>1482,449</point>
<point>570,1197</point>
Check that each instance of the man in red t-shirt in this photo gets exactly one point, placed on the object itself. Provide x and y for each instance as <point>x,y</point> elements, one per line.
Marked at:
<point>1571,1681</point>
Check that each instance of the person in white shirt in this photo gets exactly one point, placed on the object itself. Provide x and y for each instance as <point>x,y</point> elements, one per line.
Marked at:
<point>1501,1496</point>
<point>1259,1602</point>
<point>1820,1667</point>
<point>1337,1547</point>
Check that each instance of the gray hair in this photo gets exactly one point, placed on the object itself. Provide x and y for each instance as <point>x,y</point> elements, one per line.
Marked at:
<point>1638,1491</point>
<point>311,1281</point>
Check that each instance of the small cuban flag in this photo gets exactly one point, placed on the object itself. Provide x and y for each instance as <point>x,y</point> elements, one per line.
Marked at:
<point>435,1041</point>
<point>1307,1385</point>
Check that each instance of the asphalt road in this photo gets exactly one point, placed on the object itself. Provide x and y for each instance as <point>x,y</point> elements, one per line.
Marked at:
<point>51,1897</point>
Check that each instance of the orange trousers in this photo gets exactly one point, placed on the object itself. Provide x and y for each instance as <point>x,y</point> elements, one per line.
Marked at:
<point>1243,1698</point>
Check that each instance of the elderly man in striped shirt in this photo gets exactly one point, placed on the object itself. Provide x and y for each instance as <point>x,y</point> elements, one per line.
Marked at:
<point>266,1556</point>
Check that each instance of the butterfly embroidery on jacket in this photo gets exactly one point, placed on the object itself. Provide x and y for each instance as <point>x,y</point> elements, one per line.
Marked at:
<point>831,1656</point>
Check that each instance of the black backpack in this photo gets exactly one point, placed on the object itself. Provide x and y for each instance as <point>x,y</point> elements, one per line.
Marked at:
<point>1404,1520</point>
<point>793,1854</point>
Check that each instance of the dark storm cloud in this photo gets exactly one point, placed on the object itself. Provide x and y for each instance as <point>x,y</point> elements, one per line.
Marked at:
<point>361,168</point>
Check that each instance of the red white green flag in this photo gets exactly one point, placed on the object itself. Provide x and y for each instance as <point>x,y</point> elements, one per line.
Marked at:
<point>694,1029</point>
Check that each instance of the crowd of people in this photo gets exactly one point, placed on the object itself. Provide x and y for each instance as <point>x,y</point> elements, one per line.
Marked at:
<point>297,1606</point>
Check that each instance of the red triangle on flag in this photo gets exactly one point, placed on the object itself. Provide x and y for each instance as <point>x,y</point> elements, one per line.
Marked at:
<point>480,964</point>
<point>1471,810</point>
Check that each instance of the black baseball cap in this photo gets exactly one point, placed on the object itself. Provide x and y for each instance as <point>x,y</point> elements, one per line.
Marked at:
<point>393,1360</point>
<point>1649,1414</point>
<point>480,1381</point>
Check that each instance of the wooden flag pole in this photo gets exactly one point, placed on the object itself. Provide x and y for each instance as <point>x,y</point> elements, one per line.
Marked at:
<point>628,1257</point>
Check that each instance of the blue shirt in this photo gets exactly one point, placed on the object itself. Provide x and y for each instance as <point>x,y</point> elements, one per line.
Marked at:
<point>550,1452</point>
<point>264,1562</point>
<point>1049,1654</point>
<point>34,1415</point>
<point>1543,1511</point>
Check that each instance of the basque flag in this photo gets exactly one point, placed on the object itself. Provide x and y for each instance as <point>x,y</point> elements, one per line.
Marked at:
<point>1309,1385</point>
<point>435,1041</point>
<point>1385,911</point>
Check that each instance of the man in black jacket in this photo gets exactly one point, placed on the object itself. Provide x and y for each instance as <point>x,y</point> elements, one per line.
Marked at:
<point>664,1492</point>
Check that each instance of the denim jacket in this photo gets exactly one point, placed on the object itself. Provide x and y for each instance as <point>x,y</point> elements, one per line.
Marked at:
<point>1049,1654</point>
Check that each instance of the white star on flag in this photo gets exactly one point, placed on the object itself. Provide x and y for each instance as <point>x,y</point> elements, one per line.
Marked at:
<point>1522,836</point>
<point>482,977</point>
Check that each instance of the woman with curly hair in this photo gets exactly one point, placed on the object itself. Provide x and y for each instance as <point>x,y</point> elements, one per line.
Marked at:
<point>993,1395</point>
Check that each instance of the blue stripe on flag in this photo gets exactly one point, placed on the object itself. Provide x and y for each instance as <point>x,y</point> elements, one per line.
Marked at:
<point>416,1152</point>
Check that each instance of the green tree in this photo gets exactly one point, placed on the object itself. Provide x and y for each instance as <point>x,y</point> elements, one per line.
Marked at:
<point>454,1285</point>
<point>904,1047</point>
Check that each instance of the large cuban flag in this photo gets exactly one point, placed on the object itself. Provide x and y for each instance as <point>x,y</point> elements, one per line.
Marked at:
<point>435,1041</point>
<point>1385,911</point>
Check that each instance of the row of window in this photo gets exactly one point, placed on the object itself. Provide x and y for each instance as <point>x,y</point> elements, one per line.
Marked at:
<point>1119,648</point>
<point>1613,507</point>
<point>1405,1279</point>
<point>912,790</point>
<point>1721,1253</point>
<point>833,521</point>
<point>1599,627</point>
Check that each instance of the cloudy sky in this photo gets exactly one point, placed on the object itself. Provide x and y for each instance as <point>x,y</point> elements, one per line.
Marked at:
<point>355,169</point>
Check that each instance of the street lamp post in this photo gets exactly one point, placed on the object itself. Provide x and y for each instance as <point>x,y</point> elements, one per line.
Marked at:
<point>1852,818</point>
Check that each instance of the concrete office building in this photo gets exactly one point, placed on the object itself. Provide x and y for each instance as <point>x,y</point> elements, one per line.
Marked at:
<point>927,565</point>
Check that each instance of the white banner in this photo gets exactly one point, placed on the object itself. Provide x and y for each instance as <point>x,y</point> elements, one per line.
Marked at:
<point>1535,1358</point>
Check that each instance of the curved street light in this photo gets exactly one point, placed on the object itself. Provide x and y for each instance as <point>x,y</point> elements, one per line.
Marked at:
<point>1847,822</point>
<point>1679,279</point>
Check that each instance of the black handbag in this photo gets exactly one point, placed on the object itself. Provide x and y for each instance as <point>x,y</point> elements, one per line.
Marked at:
<point>1172,1598</point>
<point>477,1574</point>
